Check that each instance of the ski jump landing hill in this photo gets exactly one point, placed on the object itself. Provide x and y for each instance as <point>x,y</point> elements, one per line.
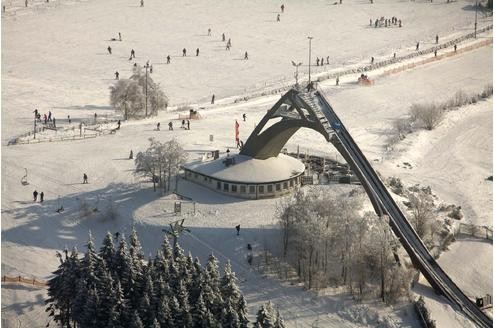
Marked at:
<point>297,109</point>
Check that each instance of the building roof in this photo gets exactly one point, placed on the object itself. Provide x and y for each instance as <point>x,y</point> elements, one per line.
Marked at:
<point>250,170</point>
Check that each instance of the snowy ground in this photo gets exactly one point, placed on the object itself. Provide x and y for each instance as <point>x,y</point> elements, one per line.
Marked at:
<point>64,67</point>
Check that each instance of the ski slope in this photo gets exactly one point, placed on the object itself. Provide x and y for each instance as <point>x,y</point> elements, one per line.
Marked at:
<point>64,67</point>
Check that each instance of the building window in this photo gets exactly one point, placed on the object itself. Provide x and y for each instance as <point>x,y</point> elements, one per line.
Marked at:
<point>261,189</point>
<point>277,187</point>
<point>269,188</point>
<point>188,173</point>
<point>285,185</point>
<point>219,185</point>
<point>243,189</point>
<point>252,189</point>
<point>225,187</point>
<point>234,188</point>
<point>292,183</point>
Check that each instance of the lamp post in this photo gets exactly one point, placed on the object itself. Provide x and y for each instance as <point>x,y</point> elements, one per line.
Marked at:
<point>476,19</point>
<point>146,89</point>
<point>309,66</point>
<point>296,74</point>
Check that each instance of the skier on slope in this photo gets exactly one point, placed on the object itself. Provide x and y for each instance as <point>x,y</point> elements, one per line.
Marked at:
<point>116,75</point>
<point>184,51</point>
<point>42,195</point>
<point>109,50</point>
<point>35,195</point>
<point>168,59</point>
<point>246,55</point>
<point>85,178</point>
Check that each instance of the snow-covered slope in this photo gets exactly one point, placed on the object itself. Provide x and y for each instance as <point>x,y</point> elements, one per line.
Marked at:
<point>53,64</point>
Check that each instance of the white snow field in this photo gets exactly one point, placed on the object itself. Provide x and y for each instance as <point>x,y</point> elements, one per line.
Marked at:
<point>54,58</point>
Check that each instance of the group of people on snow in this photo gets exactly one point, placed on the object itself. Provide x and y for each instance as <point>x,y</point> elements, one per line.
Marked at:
<point>386,22</point>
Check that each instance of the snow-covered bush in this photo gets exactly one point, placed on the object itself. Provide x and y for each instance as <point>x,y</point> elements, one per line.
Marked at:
<point>160,162</point>
<point>138,96</point>
<point>428,116</point>
<point>114,287</point>
<point>396,185</point>
<point>269,317</point>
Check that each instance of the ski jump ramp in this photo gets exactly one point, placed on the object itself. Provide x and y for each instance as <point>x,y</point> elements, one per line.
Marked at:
<point>297,109</point>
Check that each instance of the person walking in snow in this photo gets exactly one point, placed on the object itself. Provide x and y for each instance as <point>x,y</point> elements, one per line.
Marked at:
<point>133,53</point>
<point>436,39</point>
<point>96,117</point>
<point>455,47</point>
<point>42,195</point>
<point>197,52</point>
<point>337,81</point>
<point>328,60</point>
<point>223,37</point>
<point>109,50</point>
<point>317,61</point>
<point>85,178</point>
<point>246,56</point>
<point>417,46</point>
<point>184,51</point>
<point>142,3</point>
<point>244,117</point>
<point>35,195</point>
<point>278,17</point>
<point>170,126</point>
<point>238,229</point>
<point>54,125</point>
<point>183,124</point>
<point>120,37</point>
<point>116,75</point>
<point>49,116</point>
<point>282,7</point>
<point>188,125</point>
<point>118,125</point>
<point>131,155</point>
<point>151,69</point>
<point>372,60</point>
<point>209,31</point>
<point>168,59</point>
<point>435,53</point>
<point>45,118</point>
<point>158,126</point>
<point>212,99</point>
<point>229,42</point>
<point>68,119</point>
<point>35,111</point>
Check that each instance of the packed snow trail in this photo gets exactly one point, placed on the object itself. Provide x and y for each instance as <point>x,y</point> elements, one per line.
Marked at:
<point>409,239</point>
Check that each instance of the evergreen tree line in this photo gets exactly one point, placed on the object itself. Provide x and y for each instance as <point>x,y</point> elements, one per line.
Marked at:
<point>329,242</point>
<point>116,287</point>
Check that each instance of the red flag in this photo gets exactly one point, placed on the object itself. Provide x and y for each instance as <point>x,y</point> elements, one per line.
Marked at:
<point>236,130</point>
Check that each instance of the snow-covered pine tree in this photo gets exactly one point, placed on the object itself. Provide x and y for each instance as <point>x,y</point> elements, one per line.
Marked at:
<point>210,285</point>
<point>105,293</point>
<point>266,316</point>
<point>147,306</point>
<point>164,314</point>
<point>242,312</point>
<point>90,311</point>
<point>167,250</point>
<point>161,266</point>
<point>135,248</point>
<point>107,251</point>
<point>136,321</point>
<point>230,319</point>
<point>279,321</point>
<point>185,309</point>
<point>62,288</point>
<point>195,285</point>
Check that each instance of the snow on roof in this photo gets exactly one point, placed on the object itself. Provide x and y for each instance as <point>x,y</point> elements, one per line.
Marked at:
<point>249,170</point>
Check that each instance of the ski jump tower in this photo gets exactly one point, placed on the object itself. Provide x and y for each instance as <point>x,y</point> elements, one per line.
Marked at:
<point>298,109</point>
